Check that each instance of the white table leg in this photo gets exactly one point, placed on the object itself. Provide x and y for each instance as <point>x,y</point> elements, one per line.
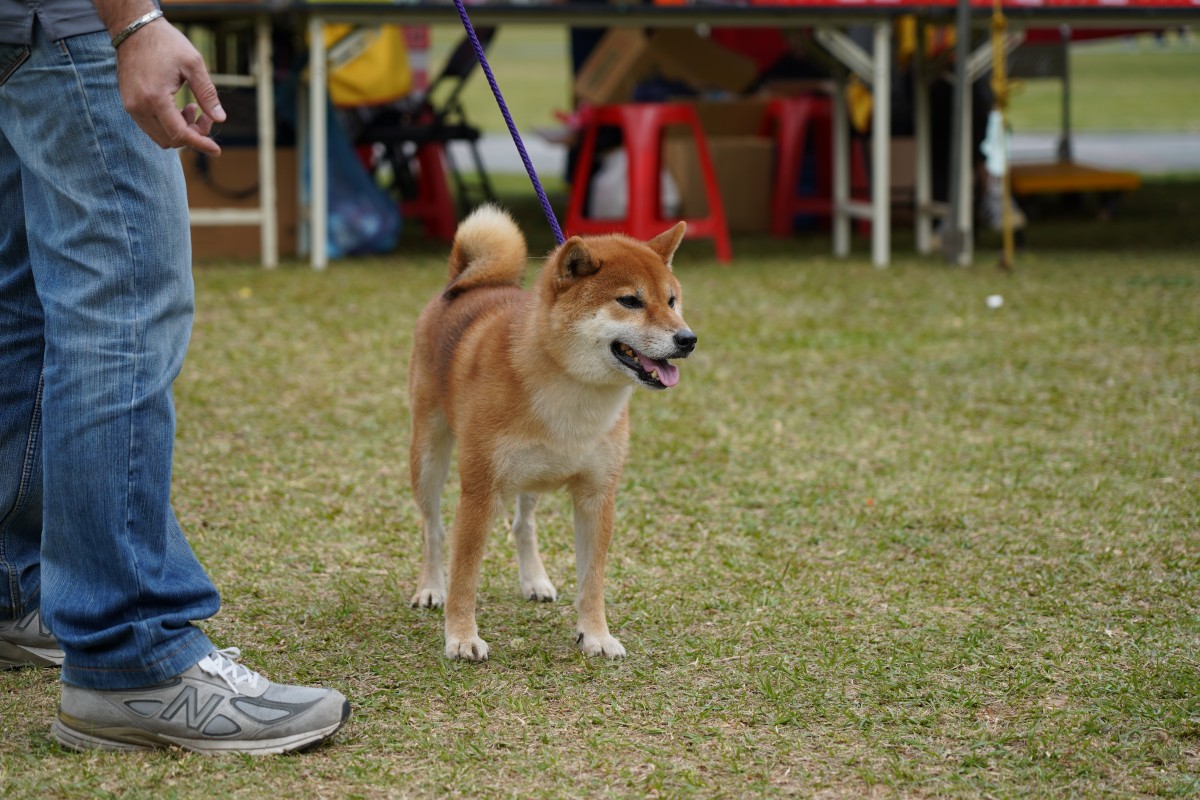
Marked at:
<point>318,199</point>
<point>881,136</point>
<point>265,96</point>
<point>923,189</point>
<point>841,172</point>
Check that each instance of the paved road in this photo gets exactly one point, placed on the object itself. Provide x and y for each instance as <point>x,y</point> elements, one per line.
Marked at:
<point>1144,153</point>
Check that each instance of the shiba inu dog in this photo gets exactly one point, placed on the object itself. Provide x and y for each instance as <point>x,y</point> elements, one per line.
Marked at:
<point>535,385</point>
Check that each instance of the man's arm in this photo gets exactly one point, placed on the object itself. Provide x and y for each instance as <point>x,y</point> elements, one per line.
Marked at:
<point>153,63</point>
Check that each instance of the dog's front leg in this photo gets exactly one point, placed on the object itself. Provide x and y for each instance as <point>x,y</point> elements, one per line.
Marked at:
<point>476,510</point>
<point>593,532</point>
<point>531,572</point>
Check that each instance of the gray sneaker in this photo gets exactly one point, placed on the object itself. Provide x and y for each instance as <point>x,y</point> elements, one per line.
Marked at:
<point>216,706</point>
<point>27,643</point>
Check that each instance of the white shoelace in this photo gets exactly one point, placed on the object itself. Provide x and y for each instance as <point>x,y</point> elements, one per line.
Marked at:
<point>224,664</point>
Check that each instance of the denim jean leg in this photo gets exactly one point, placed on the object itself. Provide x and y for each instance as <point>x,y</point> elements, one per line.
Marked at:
<point>111,258</point>
<point>20,396</point>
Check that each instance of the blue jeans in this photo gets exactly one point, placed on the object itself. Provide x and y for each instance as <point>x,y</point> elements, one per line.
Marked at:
<point>95,315</point>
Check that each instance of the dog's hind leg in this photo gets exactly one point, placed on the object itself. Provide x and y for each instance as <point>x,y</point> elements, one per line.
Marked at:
<point>535,583</point>
<point>593,532</point>
<point>429,462</point>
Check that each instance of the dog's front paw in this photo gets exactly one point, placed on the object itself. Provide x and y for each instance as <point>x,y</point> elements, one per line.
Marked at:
<point>540,590</point>
<point>470,649</point>
<point>605,645</point>
<point>428,598</point>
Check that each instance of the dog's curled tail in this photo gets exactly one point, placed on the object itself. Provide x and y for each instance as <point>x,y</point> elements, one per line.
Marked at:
<point>488,250</point>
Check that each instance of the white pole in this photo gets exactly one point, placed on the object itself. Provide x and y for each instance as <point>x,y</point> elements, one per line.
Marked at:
<point>924,165</point>
<point>955,245</point>
<point>881,135</point>
<point>966,186</point>
<point>269,224</point>
<point>318,200</point>
<point>841,171</point>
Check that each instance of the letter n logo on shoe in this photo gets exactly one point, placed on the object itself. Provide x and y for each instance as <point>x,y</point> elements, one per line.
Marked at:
<point>189,701</point>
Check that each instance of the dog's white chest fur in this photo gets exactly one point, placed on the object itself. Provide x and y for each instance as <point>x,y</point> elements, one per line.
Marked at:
<point>577,421</point>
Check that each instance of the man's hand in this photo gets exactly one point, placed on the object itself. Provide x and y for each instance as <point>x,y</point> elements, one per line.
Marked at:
<point>152,65</point>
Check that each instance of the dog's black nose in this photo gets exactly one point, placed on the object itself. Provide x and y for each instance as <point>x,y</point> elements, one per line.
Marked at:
<point>685,340</point>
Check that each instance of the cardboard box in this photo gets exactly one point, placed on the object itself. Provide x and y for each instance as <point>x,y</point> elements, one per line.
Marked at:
<point>743,160</point>
<point>731,117</point>
<point>613,68</point>
<point>237,169</point>
<point>683,55</point>
<point>627,56</point>
<point>744,167</point>
<point>903,164</point>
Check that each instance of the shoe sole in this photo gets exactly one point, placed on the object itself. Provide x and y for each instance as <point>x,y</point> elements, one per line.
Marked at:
<point>123,739</point>
<point>15,656</point>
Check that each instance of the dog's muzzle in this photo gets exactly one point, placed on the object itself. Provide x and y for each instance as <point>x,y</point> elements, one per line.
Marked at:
<point>656,373</point>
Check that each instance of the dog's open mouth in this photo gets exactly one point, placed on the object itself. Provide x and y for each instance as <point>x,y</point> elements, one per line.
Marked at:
<point>657,373</point>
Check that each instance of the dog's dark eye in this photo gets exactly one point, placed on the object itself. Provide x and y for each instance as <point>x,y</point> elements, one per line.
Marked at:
<point>671,302</point>
<point>630,301</point>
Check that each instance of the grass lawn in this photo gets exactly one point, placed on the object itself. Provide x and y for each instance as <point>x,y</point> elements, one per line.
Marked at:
<point>532,66</point>
<point>881,540</point>
<point>1135,84</point>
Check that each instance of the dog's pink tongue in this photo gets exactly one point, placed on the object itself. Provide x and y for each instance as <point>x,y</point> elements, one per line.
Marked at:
<point>668,373</point>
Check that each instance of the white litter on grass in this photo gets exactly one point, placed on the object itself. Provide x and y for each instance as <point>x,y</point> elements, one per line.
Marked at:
<point>995,300</point>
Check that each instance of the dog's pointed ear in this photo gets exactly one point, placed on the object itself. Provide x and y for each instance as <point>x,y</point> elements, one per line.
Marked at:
<point>667,242</point>
<point>575,261</point>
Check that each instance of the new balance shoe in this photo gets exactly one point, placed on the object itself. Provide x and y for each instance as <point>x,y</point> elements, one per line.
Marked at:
<point>27,643</point>
<point>216,706</point>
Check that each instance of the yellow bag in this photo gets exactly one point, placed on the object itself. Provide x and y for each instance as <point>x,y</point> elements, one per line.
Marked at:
<point>368,65</point>
<point>860,104</point>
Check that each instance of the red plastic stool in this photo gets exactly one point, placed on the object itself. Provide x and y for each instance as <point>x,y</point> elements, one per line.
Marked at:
<point>642,126</point>
<point>792,121</point>
<point>433,205</point>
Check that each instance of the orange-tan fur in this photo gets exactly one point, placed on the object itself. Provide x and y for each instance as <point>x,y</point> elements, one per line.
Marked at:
<point>526,384</point>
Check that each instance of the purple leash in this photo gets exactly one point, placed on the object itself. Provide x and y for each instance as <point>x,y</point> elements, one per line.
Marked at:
<point>512,128</point>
